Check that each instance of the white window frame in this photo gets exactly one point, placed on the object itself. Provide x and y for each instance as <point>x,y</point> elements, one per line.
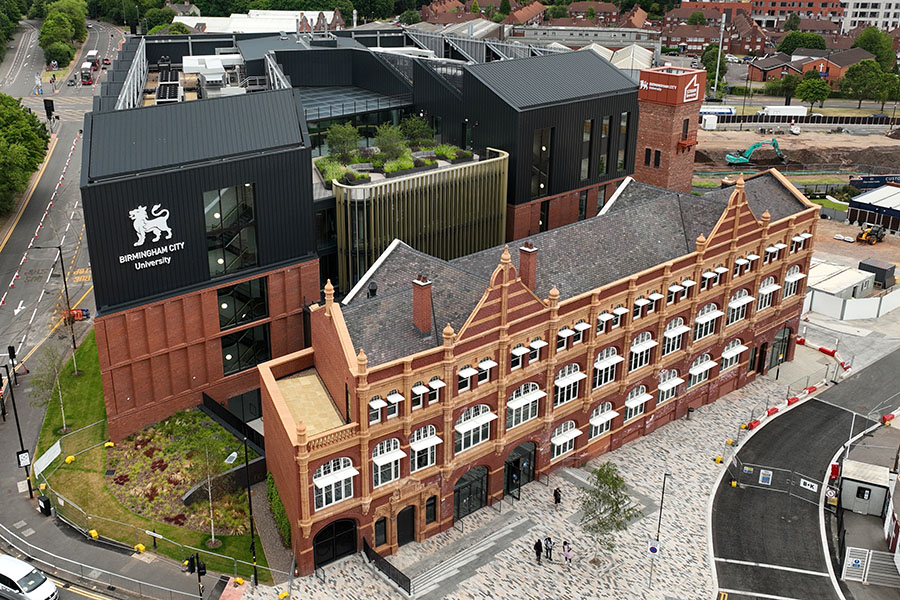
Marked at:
<point>429,453</point>
<point>527,412</point>
<point>579,332</point>
<point>606,374</point>
<point>704,330</point>
<point>641,358</point>
<point>566,393</point>
<point>606,426</point>
<point>673,343</point>
<point>375,413</point>
<point>765,299</point>
<point>535,353</point>
<point>435,394</point>
<point>417,399</point>
<point>473,437</point>
<point>390,469</point>
<point>517,360</point>
<point>484,375</point>
<point>558,450</point>
<point>664,394</point>
<point>732,360</point>
<point>601,322</point>
<point>701,376</point>
<point>334,491</point>
<point>463,380</point>
<point>638,410</point>
<point>791,286</point>
<point>617,318</point>
<point>392,408</point>
<point>739,313</point>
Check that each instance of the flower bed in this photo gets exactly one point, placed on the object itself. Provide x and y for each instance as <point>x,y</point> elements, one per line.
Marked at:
<point>331,168</point>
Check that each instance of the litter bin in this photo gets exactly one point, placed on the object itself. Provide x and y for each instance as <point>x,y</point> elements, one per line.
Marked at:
<point>690,413</point>
<point>44,505</point>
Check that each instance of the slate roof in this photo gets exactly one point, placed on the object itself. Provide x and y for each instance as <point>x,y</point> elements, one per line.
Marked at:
<point>645,226</point>
<point>551,79</point>
<point>169,135</point>
<point>851,57</point>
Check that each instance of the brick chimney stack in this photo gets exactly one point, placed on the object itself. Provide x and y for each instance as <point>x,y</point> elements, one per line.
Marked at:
<point>422,304</point>
<point>528,265</point>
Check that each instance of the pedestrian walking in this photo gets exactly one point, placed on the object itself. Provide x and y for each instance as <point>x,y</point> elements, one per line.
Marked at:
<point>538,548</point>
<point>567,553</point>
<point>557,498</point>
<point>548,548</point>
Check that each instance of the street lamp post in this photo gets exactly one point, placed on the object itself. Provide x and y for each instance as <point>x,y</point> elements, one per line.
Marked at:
<point>249,498</point>
<point>62,268</point>
<point>12,396</point>
<point>662,499</point>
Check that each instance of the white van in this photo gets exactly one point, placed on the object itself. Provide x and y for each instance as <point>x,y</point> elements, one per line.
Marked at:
<point>21,581</point>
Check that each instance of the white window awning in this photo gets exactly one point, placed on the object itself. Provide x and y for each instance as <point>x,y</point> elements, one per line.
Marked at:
<point>768,289</point>
<point>475,422</point>
<point>605,317</point>
<point>741,302</point>
<point>525,399</point>
<point>797,239</point>
<point>708,275</point>
<point>710,316</point>
<point>383,459</point>
<point>420,389</point>
<point>670,383</point>
<point>377,403</point>
<point>806,235</point>
<point>780,246</point>
<point>676,331</point>
<point>703,367</point>
<point>425,443</point>
<point>395,398</point>
<point>569,379</point>
<point>731,352</point>
<point>565,436</point>
<point>521,351</point>
<point>608,362</point>
<point>675,288</point>
<point>794,277</point>
<point>335,476</point>
<point>537,344</point>
<point>468,372</point>
<point>688,283</point>
<point>436,384</point>
<point>605,417</point>
<point>741,261</point>
<point>487,364</point>
<point>641,302</point>
<point>656,296</point>
<point>721,270</point>
<point>582,326</point>
<point>644,346</point>
<point>565,332</point>
<point>752,257</point>
<point>771,249</point>
<point>620,310</point>
<point>638,400</point>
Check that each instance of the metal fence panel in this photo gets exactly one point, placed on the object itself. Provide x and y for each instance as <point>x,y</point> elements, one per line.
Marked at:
<point>382,564</point>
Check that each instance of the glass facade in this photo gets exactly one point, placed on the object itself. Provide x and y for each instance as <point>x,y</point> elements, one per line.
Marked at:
<point>365,123</point>
<point>604,146</point>
<point>243,303</point>
<point>587,141</point>
<point>230,229</point>
<point>245,349</point>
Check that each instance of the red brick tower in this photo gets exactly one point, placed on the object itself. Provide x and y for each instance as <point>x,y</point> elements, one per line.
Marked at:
<point>669,100</point>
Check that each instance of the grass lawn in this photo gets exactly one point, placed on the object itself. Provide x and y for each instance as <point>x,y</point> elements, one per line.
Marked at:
<point>84,483</point>
<point>828,203</point>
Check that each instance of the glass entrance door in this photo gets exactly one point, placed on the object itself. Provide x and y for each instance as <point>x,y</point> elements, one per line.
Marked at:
<point>470,492</point>
<point>519,468</point>
<point>513,477</point>
<point>779,348</point>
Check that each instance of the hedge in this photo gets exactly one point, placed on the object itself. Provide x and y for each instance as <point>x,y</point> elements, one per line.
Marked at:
<point>282,523</point>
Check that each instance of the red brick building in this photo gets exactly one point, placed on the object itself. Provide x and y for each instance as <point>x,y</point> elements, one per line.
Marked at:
<point>604,12</point>
<point>530,14</point>
<point>457,382</point>
<point>681,14</point>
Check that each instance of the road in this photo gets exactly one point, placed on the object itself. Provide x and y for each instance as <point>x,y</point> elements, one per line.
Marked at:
<point>768,543</point>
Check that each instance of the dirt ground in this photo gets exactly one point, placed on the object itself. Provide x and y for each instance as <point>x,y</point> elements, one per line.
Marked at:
<point>845,253</point>
<point>807,148</point>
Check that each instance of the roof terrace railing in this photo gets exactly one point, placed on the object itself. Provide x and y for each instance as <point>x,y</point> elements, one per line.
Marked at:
<point>357,106</point>
<point>277,79</point>
<point>133,88</point>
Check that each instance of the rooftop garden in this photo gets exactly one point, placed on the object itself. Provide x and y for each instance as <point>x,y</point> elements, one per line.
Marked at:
<point>399,150</point>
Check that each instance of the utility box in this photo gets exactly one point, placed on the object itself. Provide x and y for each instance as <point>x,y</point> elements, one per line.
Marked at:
<point>44,505</point>
<point>710,122</point>
<point>884,271</point>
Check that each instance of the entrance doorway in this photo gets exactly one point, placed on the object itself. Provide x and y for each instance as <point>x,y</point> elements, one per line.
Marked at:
<point>406,525</point>
<point>470,492</point>
<point>779,348</point>
<point>763,350</point>
<point>335,541</point>
<point>519,468</point>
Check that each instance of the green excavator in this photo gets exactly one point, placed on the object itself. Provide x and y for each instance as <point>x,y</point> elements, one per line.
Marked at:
<point>740,158</point>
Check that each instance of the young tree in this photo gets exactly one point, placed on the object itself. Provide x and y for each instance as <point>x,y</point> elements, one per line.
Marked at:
<point>410,17</point>
<point>342,140</point>
<point>76,11</point>
<point>475,8</point>
<point>56,28</point>
<point>798,39</point>
<point>158,16</point>
<point>557,11</point>
<point>888,88</point>
<point>792,23</point>
<point>708,60</point>
<point>505,8</point>
<point>416,130</point>
<point>697,18</point>
<point>605,505</point>
<point>813,90</point>
<point>789,85</point>
<point>860,81</point>
<point>878,43</point>
<point>389,140</point>
<point>590,13</point>
<point>45,380</point>
<point>61,52</point>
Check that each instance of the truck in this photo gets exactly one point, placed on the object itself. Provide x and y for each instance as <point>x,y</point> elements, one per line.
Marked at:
<point>709,109</point>
<point>87,74</point>
<point>783,111</point>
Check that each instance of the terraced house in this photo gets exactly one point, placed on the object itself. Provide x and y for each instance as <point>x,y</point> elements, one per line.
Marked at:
<point>437,387</point>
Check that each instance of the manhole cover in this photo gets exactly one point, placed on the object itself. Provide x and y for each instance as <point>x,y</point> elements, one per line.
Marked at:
<point>110,472</point>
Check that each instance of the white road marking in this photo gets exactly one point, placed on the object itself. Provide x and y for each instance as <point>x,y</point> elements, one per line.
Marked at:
<point>769,566</point>
<point>31,320</point>
<point>19,308</point>
<point>757,594</point>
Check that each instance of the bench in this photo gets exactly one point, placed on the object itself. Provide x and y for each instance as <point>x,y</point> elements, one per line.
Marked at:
<point>424,154</point>
<point>362,167</point>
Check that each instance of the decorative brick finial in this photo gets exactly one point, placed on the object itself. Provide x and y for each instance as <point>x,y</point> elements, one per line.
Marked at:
<point>329,297</point>
<point>448,334</point>
<point>701,239</point>
<point>362,360</point>
<point>505,258</point>
<point>553,297</point>
<point>740,182</point>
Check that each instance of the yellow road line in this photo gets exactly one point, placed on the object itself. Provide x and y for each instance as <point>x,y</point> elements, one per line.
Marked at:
<point>75,590</point>
<point>28,198</point>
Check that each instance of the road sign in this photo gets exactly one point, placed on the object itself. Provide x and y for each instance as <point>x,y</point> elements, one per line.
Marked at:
<point>653,547</point>
<point>748,470</point>
<point>23,458</point>
<point>809,485</point>
<point>765,477</point>
<point>830,492</point>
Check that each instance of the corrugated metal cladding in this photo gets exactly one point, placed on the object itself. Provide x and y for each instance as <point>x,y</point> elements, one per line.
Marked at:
<point>340,66</point>
<point>551,79</point>
<point>495,123</point>
<point>284,229</point>
<point>437,97</point>
<point>176,135</point>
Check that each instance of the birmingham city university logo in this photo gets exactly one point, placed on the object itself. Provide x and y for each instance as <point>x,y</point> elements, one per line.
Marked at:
<point>144,225</point>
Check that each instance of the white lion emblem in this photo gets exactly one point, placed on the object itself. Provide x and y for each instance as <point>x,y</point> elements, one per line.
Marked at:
<point>143,225</point>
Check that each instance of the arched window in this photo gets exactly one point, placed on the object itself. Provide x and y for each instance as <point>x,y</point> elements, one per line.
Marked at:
<point>635,401</point>
<point>472,427</point>
<point>617,312</point>
<point>674,335</point>
<point>579,328</point>
<point>375,406</point>
<point>566,383</point>
<point>605,366</point>
<point>602,320</point>
<point>386,462</point>
<point>705,323</point>
<point>333,482</point>
<point>601,419</point>
<point>732,353</point>
<point>465,374</point>
<point>668,385</point>
<point>422,444</point>
<point>517,356</point>
<point>536,345</point>
<point>394,398</point>
<point>699,370</point>
<point>435,384</point>
<point>522,405</point>
<point>767,290</point>
<point>637,310</point>
<point>563,439</point>
<point>419,393</point>
<point>792,281</point>
<point>640,350</point>
<point>798,242</point>
<point>737,306</point>
<point>484,369</point>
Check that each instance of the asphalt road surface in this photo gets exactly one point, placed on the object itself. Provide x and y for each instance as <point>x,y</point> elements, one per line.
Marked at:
<point>769,543</point>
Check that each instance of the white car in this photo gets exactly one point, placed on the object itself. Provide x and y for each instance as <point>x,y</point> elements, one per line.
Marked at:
<point>20,580</point>
<point>732,58</point>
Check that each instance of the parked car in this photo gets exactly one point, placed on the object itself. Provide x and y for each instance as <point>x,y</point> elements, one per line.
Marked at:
<point>732,58</point>
<point>106,61</point>
<point>695,64</point>
<point>748,58</point>
<point>880,116</point>
<point>713,99</point>
<point>18,579</point>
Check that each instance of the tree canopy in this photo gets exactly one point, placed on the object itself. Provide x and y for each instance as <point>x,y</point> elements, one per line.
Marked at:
<point>861,81</point>
<point>23,144</point>
<point>64,25</point>
<point>813,90</point>
<point>798,39</point>
<point>179,29</point>
<point>792,23</point>
<point>708,60</point>
<point>605,505</point>
<point>10,13</point>
<point>158,16</point>
<point>410,17</point>
<point>878,43</point>
<point>697,18</point>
